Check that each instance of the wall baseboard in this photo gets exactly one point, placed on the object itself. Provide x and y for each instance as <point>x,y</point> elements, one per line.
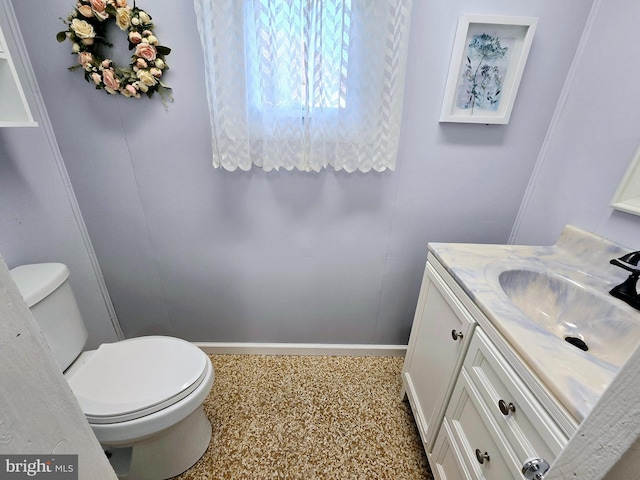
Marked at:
<point>356,350</point>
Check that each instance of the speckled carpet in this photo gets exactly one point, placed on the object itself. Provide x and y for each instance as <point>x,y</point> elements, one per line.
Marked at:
<point>309,417</point>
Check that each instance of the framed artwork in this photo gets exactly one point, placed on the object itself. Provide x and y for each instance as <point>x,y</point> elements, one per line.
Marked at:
<point>627,197</point>
<point>489,55</point>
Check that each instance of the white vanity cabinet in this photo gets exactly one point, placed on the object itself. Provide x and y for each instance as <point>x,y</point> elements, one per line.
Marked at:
<point>477,418</point>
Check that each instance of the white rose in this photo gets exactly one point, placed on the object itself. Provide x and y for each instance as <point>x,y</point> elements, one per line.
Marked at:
<point>82,29</point>
<point>144,17</point>
<point>141,86</point>
<point>145,77</point>
<point>123,18</point>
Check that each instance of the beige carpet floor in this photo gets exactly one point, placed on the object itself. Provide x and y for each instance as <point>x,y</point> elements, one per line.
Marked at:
<point>309,417</point>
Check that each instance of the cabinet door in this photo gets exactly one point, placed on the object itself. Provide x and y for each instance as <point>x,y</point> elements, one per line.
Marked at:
<point>439,337</point>
<point>446,461</point>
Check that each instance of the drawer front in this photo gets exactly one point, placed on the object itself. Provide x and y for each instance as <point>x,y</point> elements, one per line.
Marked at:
<point>446,461</point>
<point>529,430</point>
<point>473,430</point>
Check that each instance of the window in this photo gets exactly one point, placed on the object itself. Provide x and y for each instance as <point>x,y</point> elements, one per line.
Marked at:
<point>304,84</point>
<point>289,44</point>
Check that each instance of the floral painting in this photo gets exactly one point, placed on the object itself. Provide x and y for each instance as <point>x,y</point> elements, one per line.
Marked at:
<point>482,76</point>
<point>487,63</point>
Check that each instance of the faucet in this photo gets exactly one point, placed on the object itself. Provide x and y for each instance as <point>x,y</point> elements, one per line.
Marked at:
<point>627,291</point>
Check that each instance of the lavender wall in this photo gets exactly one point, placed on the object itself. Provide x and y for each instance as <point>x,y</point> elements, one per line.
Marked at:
<point>595,134</point>
<point>209,255</point>
<point>38,222</point>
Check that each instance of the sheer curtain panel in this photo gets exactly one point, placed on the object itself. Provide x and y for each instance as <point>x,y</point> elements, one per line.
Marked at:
<point>304,84</point>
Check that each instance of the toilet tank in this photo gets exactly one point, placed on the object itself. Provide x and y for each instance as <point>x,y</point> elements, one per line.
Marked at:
<point>48,295</point>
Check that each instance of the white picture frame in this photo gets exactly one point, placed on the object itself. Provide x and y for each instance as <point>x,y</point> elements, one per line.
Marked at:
<point>487,63</point>
<point>627,197</point>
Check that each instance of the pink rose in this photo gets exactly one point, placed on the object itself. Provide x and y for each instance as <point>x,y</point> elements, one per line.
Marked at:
<point>110,80</point>
<point>135,37</point>
<point>156,72</point>
<point>106,63</point>
<point>99,8</point>
<point>140,63</point>
<point>98,5</point>
<point>84,58</point>
<point>85,11</point>
<point>96,78</point>
<point>130,91</point>
<point>146,51</point>
<point>121,3</point>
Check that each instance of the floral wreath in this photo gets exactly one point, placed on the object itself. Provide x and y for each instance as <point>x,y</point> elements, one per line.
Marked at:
<point>87,31</point>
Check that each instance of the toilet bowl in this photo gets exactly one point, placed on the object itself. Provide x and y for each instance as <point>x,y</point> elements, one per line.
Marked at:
<point>142,396</point>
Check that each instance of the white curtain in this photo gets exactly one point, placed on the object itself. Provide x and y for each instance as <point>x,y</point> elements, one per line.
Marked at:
<point>304,84</point>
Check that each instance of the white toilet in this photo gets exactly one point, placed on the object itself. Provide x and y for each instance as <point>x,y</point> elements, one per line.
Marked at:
<point>142,397</point>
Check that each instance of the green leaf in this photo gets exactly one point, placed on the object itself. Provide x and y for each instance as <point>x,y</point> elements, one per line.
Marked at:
<point>61,36</point>
<point>163,50</point>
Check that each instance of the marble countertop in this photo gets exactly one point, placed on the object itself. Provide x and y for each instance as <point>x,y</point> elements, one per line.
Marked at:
<point>576,378</point>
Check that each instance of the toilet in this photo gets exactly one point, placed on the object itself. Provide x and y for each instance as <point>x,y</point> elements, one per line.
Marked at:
<point>142,396</point>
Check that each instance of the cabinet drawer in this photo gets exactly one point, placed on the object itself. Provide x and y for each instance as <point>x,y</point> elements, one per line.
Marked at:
<point>529,430</point>
<point>473,429</point>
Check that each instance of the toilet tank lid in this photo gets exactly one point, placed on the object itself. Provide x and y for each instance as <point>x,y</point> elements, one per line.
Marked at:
<point>38,281</point>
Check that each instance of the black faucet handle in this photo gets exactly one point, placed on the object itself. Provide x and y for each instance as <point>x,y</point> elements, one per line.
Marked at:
<point>627,291</point>
<point>632,258</point>
<point>628,262</point>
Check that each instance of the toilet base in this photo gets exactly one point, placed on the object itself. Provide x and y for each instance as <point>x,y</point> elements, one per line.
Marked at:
<point>165,455</point>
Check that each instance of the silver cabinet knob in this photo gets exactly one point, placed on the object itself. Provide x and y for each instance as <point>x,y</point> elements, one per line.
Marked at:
<point>535,468</point>
<point>456,335</point>
<point>482,456</point>
<point>506,408</point>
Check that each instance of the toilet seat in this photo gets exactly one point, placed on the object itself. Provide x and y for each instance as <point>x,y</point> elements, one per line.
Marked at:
<point>133,378</point>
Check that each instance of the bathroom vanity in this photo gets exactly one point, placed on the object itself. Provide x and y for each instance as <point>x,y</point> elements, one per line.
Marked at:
<point>495,387</point>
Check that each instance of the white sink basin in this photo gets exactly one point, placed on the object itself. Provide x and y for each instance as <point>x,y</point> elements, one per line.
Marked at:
<point>591,321</point>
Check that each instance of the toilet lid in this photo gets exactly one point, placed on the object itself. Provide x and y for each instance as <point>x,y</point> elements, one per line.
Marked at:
<point>136,377</point>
